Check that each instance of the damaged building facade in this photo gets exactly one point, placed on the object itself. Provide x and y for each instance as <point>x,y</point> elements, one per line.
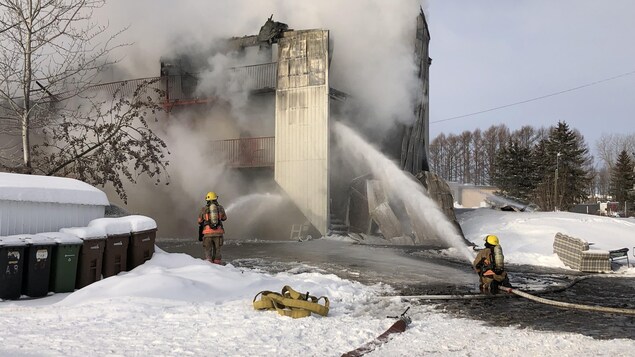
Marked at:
<point>289,71</point>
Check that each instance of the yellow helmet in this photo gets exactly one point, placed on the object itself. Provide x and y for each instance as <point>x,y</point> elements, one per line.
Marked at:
<point>491,239</point>
<point>211,196</point>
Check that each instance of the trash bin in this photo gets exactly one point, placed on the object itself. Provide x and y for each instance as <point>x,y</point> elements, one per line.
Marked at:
<point>144,232</point>
<point>37,265</point>
<point>141,247</point>
<point>11,264</point>
<point>117,240</point>
<point>91,254</point>
<point>64,261</point>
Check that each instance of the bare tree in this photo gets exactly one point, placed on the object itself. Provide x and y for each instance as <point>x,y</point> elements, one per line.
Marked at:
<point>609,146</point>
<point>51,55</point>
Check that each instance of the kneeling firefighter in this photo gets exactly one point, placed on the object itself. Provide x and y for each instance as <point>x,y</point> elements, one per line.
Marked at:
<point>210,222</point>
<point>490,266</point>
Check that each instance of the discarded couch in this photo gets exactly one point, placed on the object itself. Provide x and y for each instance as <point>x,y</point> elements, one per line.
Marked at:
<point>575,253</point>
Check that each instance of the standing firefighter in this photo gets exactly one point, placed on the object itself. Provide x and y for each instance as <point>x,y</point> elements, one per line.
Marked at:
<point>490,266</point>
<point>210,231</point>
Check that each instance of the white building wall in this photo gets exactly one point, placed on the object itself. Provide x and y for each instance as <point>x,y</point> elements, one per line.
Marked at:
<point>302,123</point>
<point>24,217</point>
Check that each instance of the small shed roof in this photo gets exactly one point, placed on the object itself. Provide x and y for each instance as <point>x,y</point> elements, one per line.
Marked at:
<point>36,188</point>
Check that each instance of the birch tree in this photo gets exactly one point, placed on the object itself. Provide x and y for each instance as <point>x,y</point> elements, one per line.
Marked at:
<point>52,55</point>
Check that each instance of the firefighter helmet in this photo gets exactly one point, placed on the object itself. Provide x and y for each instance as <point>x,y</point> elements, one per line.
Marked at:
<point>491,239</point>
<point>211,196</point>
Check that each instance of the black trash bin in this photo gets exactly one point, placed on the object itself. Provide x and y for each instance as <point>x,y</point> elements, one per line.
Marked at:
<point>91,254</point>
<point>37,265</point>
<point>11,266</point>
<point>64,261</point>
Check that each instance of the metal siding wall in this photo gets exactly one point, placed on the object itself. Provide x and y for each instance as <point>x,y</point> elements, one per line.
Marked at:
<point>17,217</point>
<point>302,123</point>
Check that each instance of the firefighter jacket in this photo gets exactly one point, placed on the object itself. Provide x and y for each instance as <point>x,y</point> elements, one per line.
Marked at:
<point>211,218</point>
<point>490,258</point>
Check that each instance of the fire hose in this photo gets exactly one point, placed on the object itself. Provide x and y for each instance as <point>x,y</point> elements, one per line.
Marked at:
<point>533,297</point>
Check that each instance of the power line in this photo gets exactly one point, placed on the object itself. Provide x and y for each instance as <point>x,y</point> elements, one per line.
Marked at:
<point>536,98</point>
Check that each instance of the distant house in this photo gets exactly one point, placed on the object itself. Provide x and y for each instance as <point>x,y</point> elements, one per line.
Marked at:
<point>470,196</point>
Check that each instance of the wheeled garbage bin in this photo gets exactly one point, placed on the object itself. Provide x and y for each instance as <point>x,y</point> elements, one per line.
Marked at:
<point>144,232</point>
<point>11,264</point>
<point>91,254</point>
<point>64,261</point>
<point>117,241</point>
<point>37,265</point>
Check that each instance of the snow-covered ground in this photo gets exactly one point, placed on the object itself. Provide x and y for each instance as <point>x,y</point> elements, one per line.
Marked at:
<point>175,305</point>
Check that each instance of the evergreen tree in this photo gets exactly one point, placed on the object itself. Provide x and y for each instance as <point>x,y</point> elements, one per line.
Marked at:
<point>567,161</point>
<point>622,178</point>
<point>515,174</point>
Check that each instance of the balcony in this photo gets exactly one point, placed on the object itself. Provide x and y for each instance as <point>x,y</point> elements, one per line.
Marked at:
<point>246,152</point>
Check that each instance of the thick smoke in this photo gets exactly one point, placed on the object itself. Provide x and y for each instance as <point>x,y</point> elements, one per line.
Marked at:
<point>372,60</point>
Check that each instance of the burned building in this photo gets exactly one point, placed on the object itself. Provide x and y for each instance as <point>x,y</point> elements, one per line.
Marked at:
<point>286,74</point>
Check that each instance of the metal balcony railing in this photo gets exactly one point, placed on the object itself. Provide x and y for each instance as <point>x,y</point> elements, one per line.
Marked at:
<point>260,77</point>
<point>246,152</point>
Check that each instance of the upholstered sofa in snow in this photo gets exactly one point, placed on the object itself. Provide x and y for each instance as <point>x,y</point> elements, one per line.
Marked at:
<point>574,253</point>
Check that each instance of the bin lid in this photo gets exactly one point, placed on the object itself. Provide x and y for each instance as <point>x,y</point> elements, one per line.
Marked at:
<point>140,223</point>
<point>61,238</point>
<point>86,233</point>
<point>112,226</point>
<point>12,241</point>
<point>34,239</point>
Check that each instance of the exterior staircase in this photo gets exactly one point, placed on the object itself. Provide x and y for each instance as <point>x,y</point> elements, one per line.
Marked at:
<point>337,226</point>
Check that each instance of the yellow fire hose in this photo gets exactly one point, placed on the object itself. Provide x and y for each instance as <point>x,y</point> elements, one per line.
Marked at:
<point>291,303</point>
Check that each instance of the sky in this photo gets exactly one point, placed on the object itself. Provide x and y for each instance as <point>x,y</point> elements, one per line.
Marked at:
<point>175,304</point>
<point>492,53</point>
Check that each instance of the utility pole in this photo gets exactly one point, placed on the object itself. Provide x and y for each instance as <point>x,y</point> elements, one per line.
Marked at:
<point>555,185</point>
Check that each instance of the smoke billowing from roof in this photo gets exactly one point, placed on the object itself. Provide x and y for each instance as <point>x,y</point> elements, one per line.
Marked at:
<point>372,41</point>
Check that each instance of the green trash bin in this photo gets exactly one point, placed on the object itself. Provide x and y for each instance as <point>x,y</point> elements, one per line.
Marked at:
<point>11,266</point>
<point>37,265</point>
<point>64,261</point>
<point>91,254</point>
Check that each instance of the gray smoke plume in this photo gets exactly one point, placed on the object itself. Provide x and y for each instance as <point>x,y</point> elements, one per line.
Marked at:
<point>372,60</point>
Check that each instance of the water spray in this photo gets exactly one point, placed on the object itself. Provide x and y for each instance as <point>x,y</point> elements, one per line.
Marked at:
<point>402,186</point>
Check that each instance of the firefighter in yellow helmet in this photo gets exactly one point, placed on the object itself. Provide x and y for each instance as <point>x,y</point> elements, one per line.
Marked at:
<point>490,266</point>
<point>210,231</point>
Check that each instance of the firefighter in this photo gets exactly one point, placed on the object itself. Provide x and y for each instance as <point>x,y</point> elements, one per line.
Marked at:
<point>490,266</point>
<point>210,222</point>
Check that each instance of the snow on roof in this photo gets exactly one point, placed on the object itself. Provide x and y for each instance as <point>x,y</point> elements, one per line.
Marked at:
<point>35,188</point>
